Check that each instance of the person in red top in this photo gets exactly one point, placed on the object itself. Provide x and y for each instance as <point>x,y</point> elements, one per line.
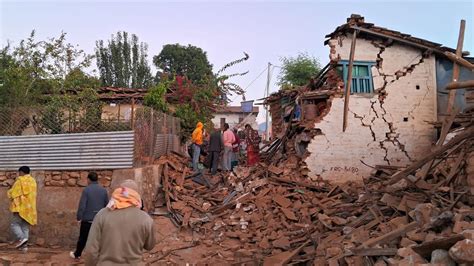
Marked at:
<point>235,149</point>
<point>252,140</point>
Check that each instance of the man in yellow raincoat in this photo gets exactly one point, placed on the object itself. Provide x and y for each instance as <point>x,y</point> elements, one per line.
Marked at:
<point>23,205</point>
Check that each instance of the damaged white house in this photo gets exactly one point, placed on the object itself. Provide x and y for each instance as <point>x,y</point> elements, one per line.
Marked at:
<point>397,99</point>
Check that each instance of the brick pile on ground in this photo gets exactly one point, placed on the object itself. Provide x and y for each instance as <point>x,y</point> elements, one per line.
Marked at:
<point>274,215</point>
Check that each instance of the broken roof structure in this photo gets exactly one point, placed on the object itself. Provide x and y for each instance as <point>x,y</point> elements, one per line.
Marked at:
<point>369,30</point>
<point>398,88</point>
<point>123,94</point>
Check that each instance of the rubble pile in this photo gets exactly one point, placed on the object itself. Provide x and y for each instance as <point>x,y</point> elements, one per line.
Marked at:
<point>254,212</point>
<point>419,213</point>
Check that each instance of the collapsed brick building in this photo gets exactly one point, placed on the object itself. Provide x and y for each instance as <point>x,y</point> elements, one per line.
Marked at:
<point>398,97</point>
<point>399,215</point>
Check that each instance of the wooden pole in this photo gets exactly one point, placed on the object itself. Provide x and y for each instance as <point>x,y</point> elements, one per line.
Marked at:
<point>132,115</point>
<point>118,114</point>
<point>451,97</point>
<point>152,136</point>
<point>267,93</point>
<point>452,93</point>
<point>349,81</point>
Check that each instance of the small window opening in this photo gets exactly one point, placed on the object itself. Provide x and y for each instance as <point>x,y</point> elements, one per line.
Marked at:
<point>417,87</point>
<point>362,81</point>
<point>405,119</point>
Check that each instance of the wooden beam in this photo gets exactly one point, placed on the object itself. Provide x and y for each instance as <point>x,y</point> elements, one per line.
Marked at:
<point>283,258</point>
<point>446,243</point>
<point>349,81</point>
<point>391,235</point>
<point>374,252</point>
<point>460,85</point>
<point>459,60</point>
<point>452,173</point>
<point>468,133</point>
<point>448,121</point>
<point>452,93</point>
<point>453,57</point>
<point>401,40</point>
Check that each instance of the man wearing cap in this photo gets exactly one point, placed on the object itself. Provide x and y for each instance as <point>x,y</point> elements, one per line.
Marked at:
<point>121,232</point>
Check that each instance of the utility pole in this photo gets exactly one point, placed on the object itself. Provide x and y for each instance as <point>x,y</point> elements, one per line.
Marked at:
<point>267,93</point>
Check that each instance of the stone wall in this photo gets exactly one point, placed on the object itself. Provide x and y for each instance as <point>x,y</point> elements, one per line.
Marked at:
<point>392,126</point>
<point>58,198</point>
<point>60,178</point>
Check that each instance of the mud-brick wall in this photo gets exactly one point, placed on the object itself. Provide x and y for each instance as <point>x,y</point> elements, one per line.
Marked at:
<point>147,178</point>
<point>392,126</point>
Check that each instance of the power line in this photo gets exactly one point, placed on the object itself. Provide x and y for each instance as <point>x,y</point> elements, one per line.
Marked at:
<point>261,73</point>
<point>250,84</point>
<point>255,79</point>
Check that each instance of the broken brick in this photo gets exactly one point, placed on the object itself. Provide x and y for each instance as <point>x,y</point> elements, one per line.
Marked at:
<point>289,214</point>
<point>282,201</point>
<point>282,242</point>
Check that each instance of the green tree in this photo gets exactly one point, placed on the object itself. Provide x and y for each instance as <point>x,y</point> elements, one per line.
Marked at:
<point>189,61</point>
<point>78,79</point>
<point>297,71</point>
<point>123,62</point>
<point>156,96</point>
<point>38,74</point>
<point>194,101</point>
<point>37,68</point>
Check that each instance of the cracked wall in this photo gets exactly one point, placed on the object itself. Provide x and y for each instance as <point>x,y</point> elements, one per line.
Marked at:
<point>392,126</point>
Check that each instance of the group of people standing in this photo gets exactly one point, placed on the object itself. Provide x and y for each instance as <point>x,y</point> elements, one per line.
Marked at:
<point>117,230</point>
<point>224,147</point>
<point>113,231</point>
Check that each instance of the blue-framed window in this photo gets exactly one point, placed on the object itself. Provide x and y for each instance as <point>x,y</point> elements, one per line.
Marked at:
<point>361,75</point>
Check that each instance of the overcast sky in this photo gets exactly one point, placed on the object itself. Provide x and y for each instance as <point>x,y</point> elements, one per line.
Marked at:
<point>263,29</point>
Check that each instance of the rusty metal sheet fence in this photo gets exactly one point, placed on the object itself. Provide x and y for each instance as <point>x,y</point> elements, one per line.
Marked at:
<point>156,134</point>
<point>104,150</point>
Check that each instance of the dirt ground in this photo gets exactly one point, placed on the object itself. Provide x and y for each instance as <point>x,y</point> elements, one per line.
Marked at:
<point>174,247</point>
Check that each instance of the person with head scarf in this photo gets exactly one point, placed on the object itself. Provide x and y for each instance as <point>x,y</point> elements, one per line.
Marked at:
<point>121,232</point>
<point>22,197</point>
<point>197,140</point>
<point>252,140</point>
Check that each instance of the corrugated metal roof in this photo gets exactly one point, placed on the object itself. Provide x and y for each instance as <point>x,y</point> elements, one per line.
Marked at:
<point>104,150</point>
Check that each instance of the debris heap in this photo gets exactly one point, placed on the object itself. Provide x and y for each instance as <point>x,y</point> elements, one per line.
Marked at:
<point>277,215</point>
